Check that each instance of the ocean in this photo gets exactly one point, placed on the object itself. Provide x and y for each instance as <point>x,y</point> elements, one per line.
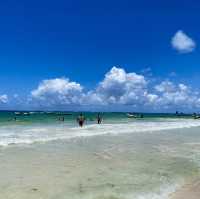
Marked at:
<point>122,158</point>
<point>30,127</point>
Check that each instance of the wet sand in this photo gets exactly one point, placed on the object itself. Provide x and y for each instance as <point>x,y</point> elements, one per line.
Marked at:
<point>188,191</point>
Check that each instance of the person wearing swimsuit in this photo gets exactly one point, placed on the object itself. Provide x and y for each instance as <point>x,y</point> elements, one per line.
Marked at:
<point>81,120</point>
<point>99,118</point>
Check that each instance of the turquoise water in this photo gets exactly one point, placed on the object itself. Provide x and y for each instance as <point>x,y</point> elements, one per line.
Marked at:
<point>8,117</point>
<point>30,127</point>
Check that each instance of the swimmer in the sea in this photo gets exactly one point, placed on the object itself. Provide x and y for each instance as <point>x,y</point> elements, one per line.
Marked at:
<point>81,120</point>
<point>99,118</point>
<point>62,119</point>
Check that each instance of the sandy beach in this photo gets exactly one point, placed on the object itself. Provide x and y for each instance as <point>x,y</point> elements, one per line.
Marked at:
<point>188,191</point>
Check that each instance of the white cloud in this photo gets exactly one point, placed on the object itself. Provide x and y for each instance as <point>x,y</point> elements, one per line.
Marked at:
<point>165,86</point>
<point>152,98</point>
<point>59,91</point>
<point>117,89</point>
<point>3,99</point>
<point>172,96</point>
<point>182,42</point>
<point>183,87</point>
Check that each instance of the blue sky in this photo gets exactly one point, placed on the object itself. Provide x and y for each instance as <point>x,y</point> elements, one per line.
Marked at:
<point>83,40</point>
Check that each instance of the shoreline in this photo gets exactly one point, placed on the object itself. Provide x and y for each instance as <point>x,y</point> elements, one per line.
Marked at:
<point>27,135</point>
<point>114,166</point>
<point>190,190</point>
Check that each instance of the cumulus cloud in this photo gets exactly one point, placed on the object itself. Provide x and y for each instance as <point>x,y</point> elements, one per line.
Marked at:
<point>3,99</point>
<point>118,88</point>
<point>172,96</point>
<point>165,86</point>
<point>182,42</point>
<point>59,91</point>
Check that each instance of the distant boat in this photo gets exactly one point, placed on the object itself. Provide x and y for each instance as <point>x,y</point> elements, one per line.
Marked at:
<point>26,113</point>
<point>18,113</point>
<point>22,113</point>
<point>32,113</point>
<point>131,115</point>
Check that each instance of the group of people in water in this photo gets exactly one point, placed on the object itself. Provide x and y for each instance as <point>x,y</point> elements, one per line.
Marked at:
<point>81,119</point>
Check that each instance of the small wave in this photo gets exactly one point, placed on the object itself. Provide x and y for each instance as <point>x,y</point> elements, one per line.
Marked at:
<point>21,134</point>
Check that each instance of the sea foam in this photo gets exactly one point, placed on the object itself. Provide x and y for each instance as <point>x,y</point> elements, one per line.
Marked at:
<point>24,134</point>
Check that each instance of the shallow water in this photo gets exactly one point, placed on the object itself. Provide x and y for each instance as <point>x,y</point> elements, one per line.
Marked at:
<point>131,164</point>
<point>37,128</point>
<point>123,158</point>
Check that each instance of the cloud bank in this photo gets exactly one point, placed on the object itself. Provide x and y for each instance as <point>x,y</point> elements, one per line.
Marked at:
<point>118,88</point>
<point>59,91</point>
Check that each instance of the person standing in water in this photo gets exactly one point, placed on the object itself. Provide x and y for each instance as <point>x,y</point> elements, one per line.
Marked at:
<point>62,119</point>
<point>99,118</point>
<point>81,120</point>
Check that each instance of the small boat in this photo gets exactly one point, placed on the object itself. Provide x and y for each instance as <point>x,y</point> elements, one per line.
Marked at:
<point>18,113</point>
<point>32,113</point>
<point>26,113</point>
<point>131,115</point>
<point>22,113</point>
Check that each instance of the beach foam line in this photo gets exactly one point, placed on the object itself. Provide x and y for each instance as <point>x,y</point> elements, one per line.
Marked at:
<point>23,134</point>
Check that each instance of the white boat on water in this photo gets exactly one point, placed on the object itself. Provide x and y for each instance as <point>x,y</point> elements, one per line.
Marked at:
<point>18,113</point>
<point>130,115</point>
<point>22,113</point>
<point>26,113</point>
